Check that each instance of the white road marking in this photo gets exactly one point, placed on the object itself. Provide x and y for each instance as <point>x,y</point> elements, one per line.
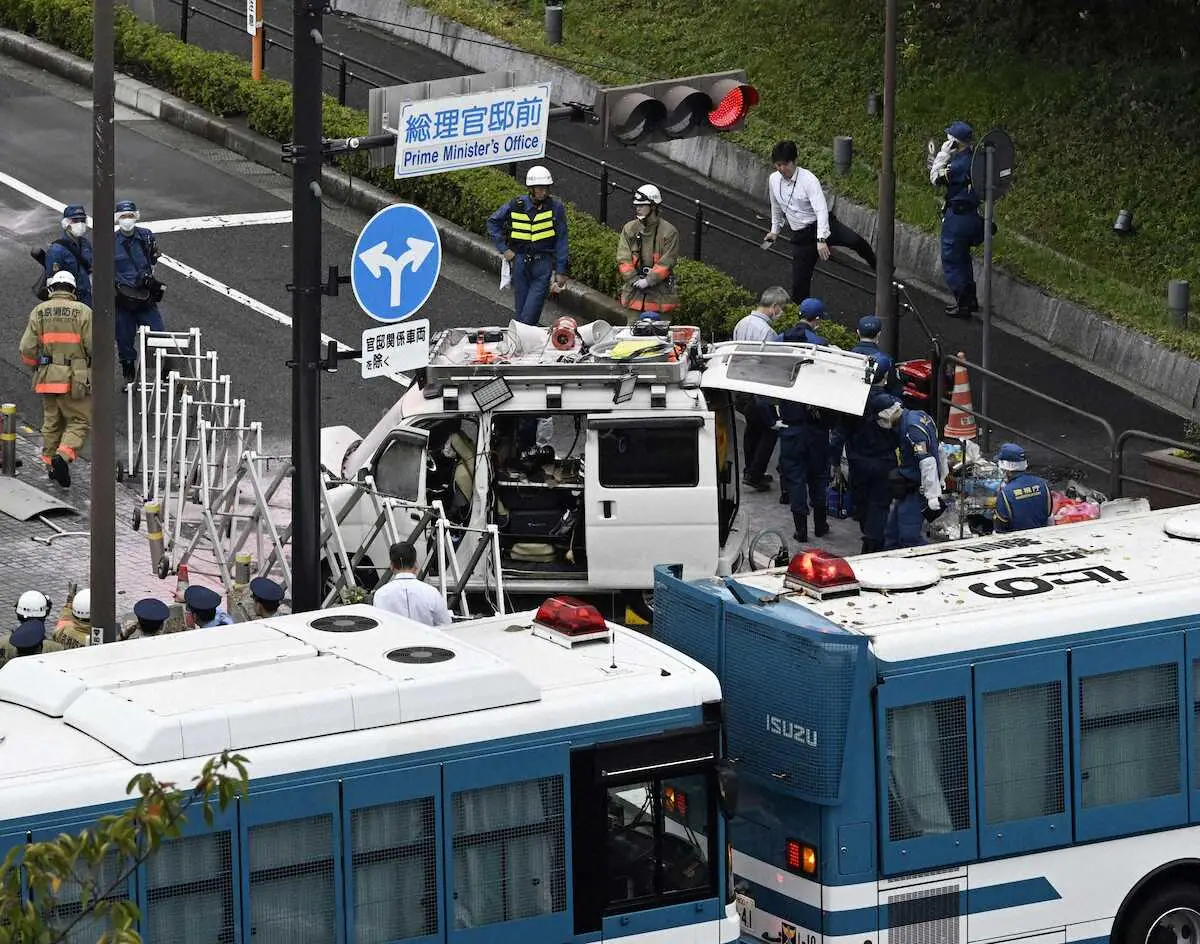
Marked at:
<point>221,221</point>
<point>195,274</point>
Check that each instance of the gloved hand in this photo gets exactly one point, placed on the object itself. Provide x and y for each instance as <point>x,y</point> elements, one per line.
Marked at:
<point>509,255</point>
<point>642,284</point>
<point>934,509</point>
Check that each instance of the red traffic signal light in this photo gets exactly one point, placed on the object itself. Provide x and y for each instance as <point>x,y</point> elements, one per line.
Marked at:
<point>675,108</point>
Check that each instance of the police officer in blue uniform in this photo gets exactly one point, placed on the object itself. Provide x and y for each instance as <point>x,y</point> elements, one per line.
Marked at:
<point>29,638</point>
<point>1024,501</point>
<point>916,483</point>
<point>72,252</point>
<point>267,594</point>
<point>812,310</point>
<point>150,615</point>
<point>138,291</point>
<point>804,466</point>
<point>871,457</point>
<point>204,608</point>
<point>535,243</point>
<point>962,226</point>
<point>869,328</point>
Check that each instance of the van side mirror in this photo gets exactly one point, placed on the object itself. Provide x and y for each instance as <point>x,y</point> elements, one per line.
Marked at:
<point>727,788</point>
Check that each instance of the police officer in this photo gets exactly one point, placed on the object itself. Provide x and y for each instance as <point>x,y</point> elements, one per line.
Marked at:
<point>1024,501</point>
<point>57,344</point>
<point>962,226</point>
<point>869,328</point>
<point>74,626</point>
<point>916,483</point>
<point>149,616</point>
<point>72,252</point>
<point>536,243</point>
<point>267,596</point>
<point>204,608</point>
<point>138,291</point>
<point>804,466</point>
<point>29,637</point>
<point>646,253</point>
<point>812,310</point>
<point>871,457</point>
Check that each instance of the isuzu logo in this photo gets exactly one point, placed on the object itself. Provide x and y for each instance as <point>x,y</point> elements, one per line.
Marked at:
<point>791,730</point>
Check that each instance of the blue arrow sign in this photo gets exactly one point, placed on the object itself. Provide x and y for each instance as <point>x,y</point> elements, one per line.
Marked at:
<point>397,259</point>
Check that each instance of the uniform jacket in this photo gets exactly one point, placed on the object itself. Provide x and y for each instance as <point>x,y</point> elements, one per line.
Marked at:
<point>521,226</point>
<point>221,619</point>
<point>134,256</point>
<point>918,441</point>
<point>801,333</point>
<point>70,633</point>
<point>648,248</point>
<point>57,344</point>
<point>59,258</point>
<point>883,363</point>
<point>960,195</point>
<point>9,651</point>
<point>1023,503</point>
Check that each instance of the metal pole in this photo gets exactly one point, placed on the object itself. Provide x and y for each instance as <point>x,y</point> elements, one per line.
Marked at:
<point>554,22</point>
<point>8,439</point>
<point>183,21</point>
<point>604,192</point>
<point>341,79</point>
<point>103,512</point>
<point>307,20</point>
<point>989,209</point>
<point>256,43</point>
<point>893,346</point>
<point>698,231</point>
<point>885,263</point>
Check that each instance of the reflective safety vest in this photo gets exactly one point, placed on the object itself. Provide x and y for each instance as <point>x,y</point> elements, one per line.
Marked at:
<point>57,344</point>
<point>535,230</point>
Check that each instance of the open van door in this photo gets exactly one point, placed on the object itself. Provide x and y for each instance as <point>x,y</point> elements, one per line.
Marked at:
<point>400,467</point>
<point>650,495</point>
<point>824,377</point>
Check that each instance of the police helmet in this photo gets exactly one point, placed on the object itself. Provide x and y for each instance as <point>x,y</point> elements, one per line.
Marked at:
<point>268,591</point>
<point>1011,458</point>
<point>812,308</point>
<point>33,604</point>
<point>74,213</point>
<point>647,195</point>
<point>538,176</point>
<point>201,599</point>
<point>60,281</point>
<point>81,606</point>
<point>869,326</point>
<point>961,132</point>
<point>151,610</point>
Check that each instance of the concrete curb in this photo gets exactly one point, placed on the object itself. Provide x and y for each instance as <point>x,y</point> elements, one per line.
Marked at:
<point>1127,356</point>
<point>163,106</point>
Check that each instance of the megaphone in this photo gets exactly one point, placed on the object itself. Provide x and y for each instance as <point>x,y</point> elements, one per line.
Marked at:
<point>562,335</point>
<point>595,332</point>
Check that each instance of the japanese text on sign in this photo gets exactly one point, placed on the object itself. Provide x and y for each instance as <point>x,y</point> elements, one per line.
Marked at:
<point>392,349</point>
<point>497,127</point>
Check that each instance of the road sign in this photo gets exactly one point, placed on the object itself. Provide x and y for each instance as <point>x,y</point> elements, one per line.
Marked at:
<point>496,127</point>
<point>392,349</point>
<point>396,262</point>
<point>1003,161</point>
<point>251,16</point>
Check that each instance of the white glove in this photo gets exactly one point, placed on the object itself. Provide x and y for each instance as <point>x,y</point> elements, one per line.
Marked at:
<point>931,486</point>
<point>941,162</point>
<point>642,284</point>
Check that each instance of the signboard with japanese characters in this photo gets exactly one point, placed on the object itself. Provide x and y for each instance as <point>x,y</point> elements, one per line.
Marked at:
<point>394,348</point>
<point>496,127</point>
<point>251,16</point>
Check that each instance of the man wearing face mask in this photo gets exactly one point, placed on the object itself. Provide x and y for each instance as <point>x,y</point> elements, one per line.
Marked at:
<point>962,226</point>
<point>917,482</point>
<point>646,253</point>
<point>72,252</point>
<point>138,291</point>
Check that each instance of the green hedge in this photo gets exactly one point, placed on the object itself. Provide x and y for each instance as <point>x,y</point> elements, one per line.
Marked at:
<point>222,84</point>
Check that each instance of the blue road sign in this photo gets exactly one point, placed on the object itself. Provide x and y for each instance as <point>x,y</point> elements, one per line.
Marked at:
<point>396,262</point>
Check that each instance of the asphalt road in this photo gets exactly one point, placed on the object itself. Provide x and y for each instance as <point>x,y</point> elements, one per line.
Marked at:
<point>847,288</point>
<point>45,141</point>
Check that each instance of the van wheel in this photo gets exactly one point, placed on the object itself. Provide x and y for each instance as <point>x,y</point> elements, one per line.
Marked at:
<point>1171,915</point>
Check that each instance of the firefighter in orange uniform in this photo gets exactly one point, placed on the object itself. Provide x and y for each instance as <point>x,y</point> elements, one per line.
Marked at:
<point>57,344</point>
<point>646,252</point>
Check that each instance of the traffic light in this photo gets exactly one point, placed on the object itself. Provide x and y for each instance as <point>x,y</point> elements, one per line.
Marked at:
<point>675,108</point>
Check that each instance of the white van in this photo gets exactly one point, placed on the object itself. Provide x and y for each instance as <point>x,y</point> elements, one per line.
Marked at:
<point>597,453</point>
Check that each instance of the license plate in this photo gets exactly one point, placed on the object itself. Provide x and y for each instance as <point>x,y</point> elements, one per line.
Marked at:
<point>745,909</point>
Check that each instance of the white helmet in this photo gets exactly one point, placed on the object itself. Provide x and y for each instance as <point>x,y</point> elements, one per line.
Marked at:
<point>538,176</point>
<point>81,606</point>
<point>61,280</point>
<point>33,605</point>
<point>647,195</point>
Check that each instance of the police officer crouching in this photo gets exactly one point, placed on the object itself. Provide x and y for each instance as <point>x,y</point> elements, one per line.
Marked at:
<point>1024,501</point>
<point>204,609</point>
<point>267,596</point>
<point>29,638</point>
<point>150,615</point>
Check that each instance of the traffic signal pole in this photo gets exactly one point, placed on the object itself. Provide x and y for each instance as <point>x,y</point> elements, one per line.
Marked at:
<point>307,22</point>
<point>885,252</point>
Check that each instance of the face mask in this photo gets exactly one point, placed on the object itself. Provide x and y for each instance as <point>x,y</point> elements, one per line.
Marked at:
<point>127,223</point>
<point>78,229</point>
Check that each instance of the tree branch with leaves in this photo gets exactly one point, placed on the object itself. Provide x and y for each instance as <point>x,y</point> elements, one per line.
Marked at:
<point>48,888</point>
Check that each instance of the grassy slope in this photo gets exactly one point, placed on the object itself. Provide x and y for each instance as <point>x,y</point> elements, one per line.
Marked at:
<point>1091,138</point>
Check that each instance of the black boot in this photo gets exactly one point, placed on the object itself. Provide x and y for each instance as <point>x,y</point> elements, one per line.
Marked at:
<point>128,371</point>
<point>820,520</point>
<point>60,471</point>
<point>970,299</point>
<point>801,523</point>
<point>961,307</point>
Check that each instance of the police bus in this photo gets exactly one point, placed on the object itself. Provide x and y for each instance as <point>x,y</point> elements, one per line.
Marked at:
<point>538,778</point>
<point>988,740</point>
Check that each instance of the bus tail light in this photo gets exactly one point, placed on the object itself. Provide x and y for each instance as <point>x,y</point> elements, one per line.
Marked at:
<point>801,858</point>
<point>820,574</point>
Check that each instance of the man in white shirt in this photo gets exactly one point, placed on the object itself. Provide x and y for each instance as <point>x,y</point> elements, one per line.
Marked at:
<point>797,200</point>
<point>405,594</point>
<point>758,441</point>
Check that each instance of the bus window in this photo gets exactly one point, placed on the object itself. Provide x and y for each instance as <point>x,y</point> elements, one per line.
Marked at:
<point>928,786</point>
<point>292,890</point>
<point>395,871</point>
<point>190,885</point>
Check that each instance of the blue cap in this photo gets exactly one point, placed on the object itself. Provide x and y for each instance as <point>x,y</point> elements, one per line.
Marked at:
<point>812,308</point>
<point>869,326</point>
<point>75,211</point>
<point>125,206</point>
<point>201,598</point>
<point>1011,458</point>
<point>30,633</point>
<point>266,590</point>
<point>880,401</point>
<point>151,610</point>
<point>961,131</point>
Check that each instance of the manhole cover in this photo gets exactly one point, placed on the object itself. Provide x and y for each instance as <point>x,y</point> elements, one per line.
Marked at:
<point>347,623</point>
<point>420,655</point>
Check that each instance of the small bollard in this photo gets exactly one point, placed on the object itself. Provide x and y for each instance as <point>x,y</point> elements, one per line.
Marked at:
<point>1178,301</point>
<point>8,439</point>
<point>241,567</point>
<point>872,103</point>
<point>152,512</point>
<point>843,154</point>
<point>554,22</point>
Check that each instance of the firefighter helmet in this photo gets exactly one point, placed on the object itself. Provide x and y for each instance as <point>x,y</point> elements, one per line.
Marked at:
<point>647,195</point>
<point>538,176</point>
<point>81,606</point>
<point>62,281</point>
<point>33,604</point>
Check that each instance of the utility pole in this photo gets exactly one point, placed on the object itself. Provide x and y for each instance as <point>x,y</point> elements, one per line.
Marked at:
<point>307,23</point>
<point>885,262</point>
<point>103,512</point>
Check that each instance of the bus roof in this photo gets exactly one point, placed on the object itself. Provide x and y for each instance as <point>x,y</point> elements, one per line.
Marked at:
<point>312,690</point>
<point>1008,589</point>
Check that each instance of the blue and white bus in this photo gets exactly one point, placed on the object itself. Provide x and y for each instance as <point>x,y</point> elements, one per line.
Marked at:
<point>989,740</point>
<point>536,779</point>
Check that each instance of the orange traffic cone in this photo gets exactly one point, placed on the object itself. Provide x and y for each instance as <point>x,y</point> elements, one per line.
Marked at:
<point>181,583</point>
<point>960,424</point>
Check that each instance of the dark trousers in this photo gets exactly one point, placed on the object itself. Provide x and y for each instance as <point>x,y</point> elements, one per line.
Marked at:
<point>842,235</point>
<point>871,496</point>
<point>531,284</point>
<point>758,442</point>
<point>128,323</point>
<point>804,466</point>
<point>804,261</point>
